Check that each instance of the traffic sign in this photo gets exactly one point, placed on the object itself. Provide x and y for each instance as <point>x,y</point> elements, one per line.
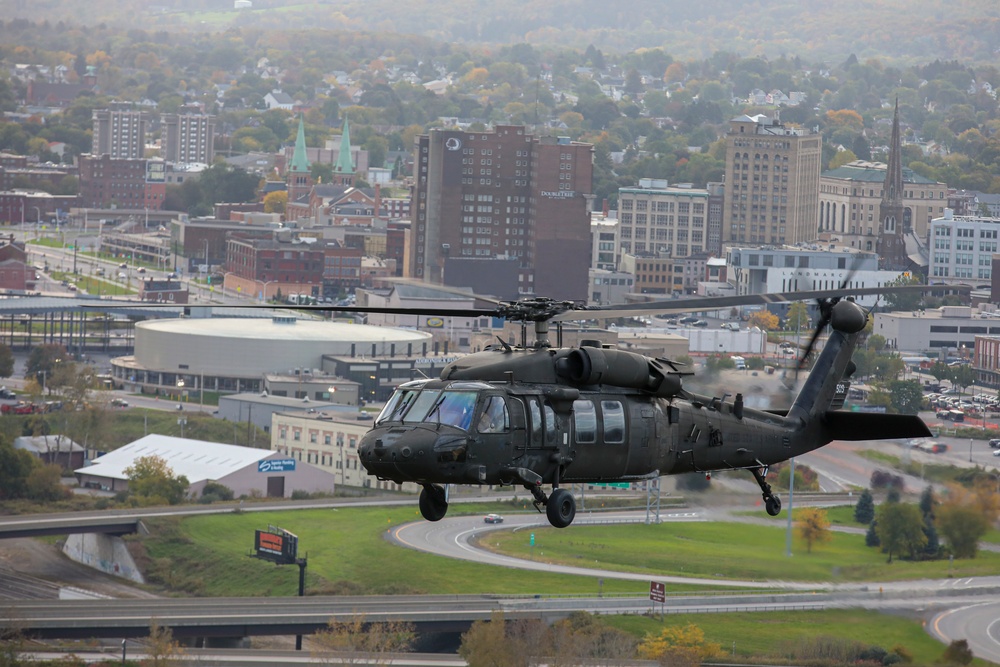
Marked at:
<point>657,591</point>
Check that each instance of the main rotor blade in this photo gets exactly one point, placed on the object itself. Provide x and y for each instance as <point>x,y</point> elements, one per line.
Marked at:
<point>701,304</point>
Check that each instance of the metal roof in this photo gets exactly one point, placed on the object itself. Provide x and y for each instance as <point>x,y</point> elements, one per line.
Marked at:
<point>37,305</point>
<point>195,459</point>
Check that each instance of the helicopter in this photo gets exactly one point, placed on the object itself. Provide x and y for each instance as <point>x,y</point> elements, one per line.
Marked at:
<point>539,415</point>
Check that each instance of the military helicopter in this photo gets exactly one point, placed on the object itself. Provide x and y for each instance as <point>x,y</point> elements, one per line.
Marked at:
<point>540,415</point>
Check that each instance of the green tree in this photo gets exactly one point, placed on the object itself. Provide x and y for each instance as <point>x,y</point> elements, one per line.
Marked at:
<point>898,301</point>
<point>15,468</point>
<point>44,484</point>
<point>876,342</point>
<point>899,527</point>
<point>6,361</point>
<point>43,360</point>
<point>798,317</point>
<point>963,375</point>
<point>864,510</point>
<point>907,396</point>
<point>152,482</point>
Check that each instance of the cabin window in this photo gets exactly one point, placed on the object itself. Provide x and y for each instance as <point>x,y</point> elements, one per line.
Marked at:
<point>495,418</point>
<point>535,417</point>
<point>550,423</point>
<point>585,421</point>
<point>614,421</point>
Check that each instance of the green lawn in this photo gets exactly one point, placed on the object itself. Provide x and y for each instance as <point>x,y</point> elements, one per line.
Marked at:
<point>347,553</point>
<point>726,551</point>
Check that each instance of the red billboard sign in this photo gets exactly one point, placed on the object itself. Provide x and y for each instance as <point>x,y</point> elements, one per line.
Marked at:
<point>276,547</point>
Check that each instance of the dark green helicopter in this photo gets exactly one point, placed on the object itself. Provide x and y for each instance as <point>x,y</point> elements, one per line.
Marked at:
<point>536,415</point>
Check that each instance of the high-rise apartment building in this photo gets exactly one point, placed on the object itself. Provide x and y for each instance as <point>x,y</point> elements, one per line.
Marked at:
<point>187,137</point>
<point>501,195</point>
<point>772,182</point>
<point>119,133</point>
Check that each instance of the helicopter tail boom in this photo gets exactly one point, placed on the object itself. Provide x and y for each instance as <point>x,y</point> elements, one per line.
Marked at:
<point>873,426</point>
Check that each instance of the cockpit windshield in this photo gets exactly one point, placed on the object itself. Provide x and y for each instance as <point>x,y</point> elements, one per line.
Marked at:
<point>451,408</point>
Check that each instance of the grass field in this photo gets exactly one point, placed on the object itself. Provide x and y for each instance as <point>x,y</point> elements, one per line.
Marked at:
<point>348,554</point>
<point>727,551</point>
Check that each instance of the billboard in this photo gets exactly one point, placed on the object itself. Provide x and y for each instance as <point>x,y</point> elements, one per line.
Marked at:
<point>278,547</point>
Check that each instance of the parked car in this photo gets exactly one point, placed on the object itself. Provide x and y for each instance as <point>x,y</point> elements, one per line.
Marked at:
<point>7,393</point>
<point>119,402</point>
<point>688,319</point>
<point>492,518</point>
<point>699,323</point>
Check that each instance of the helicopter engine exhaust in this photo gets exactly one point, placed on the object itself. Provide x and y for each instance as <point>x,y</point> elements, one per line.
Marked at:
<point>594,365</point>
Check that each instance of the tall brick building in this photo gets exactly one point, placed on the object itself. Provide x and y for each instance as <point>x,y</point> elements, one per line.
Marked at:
<point>500,195</point>
<point>119,133</point>
<point>772,182</point>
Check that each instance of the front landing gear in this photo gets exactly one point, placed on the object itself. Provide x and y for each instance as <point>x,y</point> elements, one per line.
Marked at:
<point>772,503</point>
<point>433,504</point>
<point>560,506</point>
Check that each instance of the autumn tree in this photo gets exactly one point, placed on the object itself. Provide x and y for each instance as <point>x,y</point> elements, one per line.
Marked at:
<point>357,640</point>
<point>965,516</point>
<point>275,202</point>
<point>679,645</point>
<point>152,482</point>
<point>814,526</point>
<point>764,320</point>
<point>162,649</point>
<point>485,644</point>
<point>899,527</point>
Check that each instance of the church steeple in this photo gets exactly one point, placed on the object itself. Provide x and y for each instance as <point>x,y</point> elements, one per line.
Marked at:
<point>892,193</point>
<point>300,160</point>
<point>299,174</point>
<point>891,213</point>
<point>344,169</point>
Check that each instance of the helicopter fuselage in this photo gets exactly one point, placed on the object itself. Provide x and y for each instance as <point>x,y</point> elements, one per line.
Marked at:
<point>596,414</point>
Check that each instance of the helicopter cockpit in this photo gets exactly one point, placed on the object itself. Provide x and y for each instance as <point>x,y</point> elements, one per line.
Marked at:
<point>454,405</point>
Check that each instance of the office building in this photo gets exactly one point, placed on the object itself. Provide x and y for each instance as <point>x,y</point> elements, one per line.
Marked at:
<point>772,182</point>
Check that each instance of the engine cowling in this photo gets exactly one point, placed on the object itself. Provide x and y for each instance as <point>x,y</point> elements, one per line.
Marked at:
<point>594,365</point>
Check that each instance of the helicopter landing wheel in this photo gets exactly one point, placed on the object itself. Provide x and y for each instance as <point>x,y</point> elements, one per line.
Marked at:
<point>773,505</point>
<point>433,505</point>
<point>560,508</point>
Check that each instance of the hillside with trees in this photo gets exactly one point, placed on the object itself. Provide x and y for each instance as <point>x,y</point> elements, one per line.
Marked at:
<point>914,31</point>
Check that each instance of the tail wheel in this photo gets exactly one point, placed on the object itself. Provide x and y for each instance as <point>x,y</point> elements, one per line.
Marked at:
<point>433,505</point>
<point>560,508</point>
